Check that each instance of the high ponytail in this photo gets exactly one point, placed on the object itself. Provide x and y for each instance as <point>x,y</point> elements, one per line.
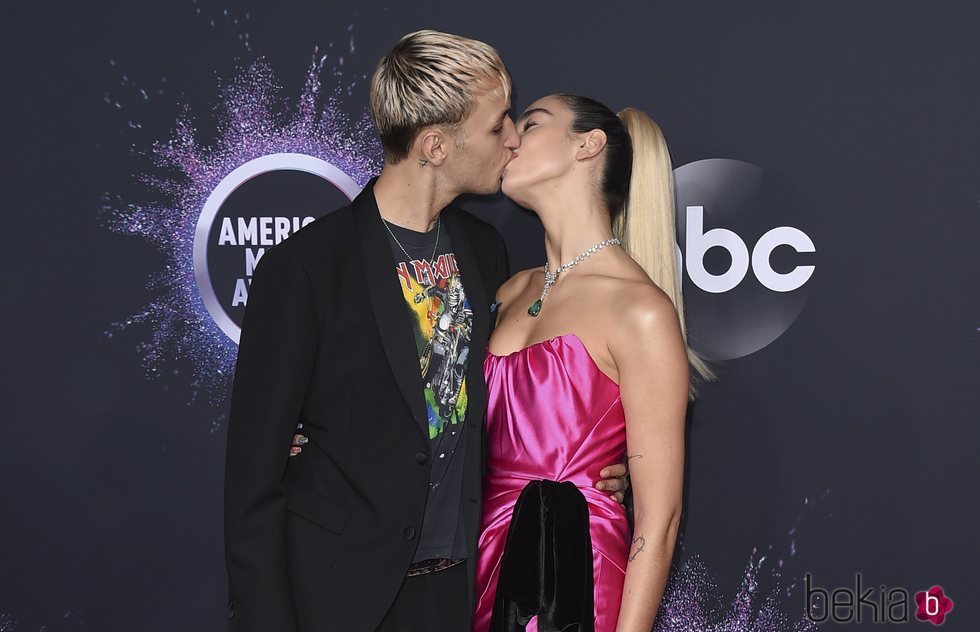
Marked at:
<point>647,223</point>
<point>637,185</point>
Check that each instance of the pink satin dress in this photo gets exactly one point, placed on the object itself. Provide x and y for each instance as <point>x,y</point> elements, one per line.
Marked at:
<point>552,414</point>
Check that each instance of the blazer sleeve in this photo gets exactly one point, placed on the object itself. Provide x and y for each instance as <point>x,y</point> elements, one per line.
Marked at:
<point>275,360</point>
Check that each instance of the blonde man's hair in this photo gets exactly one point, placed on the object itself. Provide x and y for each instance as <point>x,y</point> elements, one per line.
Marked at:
<point>431,78</point>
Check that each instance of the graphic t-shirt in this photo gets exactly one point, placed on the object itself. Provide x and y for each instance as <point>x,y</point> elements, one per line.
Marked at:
<point>442,321</point>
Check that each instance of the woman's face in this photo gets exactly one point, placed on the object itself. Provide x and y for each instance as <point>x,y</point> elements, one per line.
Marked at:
<point>546,153</point>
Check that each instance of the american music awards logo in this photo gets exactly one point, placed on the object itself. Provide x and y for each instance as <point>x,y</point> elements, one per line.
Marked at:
<point>212,209</point>
<point>253,208</point>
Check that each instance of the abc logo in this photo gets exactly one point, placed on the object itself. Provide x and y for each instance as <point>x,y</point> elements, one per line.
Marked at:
<point>745,269</point>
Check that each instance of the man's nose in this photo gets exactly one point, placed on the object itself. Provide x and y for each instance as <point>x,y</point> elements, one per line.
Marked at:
<point>513,140</point>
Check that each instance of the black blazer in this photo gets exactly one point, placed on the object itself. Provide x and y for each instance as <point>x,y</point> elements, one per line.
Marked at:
<point>322,541</point>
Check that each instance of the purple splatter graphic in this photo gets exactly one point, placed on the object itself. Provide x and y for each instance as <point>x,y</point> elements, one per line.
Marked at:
<point>692,601</point>
<point>252,121</point>
<point>691,604</point>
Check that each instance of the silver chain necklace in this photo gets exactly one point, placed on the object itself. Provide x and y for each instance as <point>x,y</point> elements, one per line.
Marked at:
<point>550,278</point>
<point>435,247</point>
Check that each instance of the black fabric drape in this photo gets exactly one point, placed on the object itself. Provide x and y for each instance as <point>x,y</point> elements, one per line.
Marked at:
<point>546,569</point>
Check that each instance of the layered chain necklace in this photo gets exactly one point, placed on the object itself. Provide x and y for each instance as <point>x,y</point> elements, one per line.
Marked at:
<point>551,277</point>
<point>425,295</point>
<point>435,247</point>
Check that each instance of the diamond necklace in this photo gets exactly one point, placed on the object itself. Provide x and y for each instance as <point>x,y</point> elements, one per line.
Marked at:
<point>551,277</point>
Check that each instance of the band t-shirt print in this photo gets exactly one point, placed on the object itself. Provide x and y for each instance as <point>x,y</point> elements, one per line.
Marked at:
<point>442,322</point>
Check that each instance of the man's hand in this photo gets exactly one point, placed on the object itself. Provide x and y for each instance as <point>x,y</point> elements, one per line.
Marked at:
<point>615,480</point>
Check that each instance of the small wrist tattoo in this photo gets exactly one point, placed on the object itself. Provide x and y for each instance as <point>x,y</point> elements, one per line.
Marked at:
<point>640,542</point>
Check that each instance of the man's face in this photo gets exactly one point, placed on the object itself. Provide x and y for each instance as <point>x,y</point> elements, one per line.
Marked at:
<point>484,146</point>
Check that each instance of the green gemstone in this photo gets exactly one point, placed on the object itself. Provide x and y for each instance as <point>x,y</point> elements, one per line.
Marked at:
<point>535,308</point>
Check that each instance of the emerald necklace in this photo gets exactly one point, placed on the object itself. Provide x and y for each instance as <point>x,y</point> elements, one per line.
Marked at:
<point>551,277</point>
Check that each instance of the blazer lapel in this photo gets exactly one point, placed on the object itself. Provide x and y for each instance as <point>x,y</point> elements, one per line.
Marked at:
<point>388,304</point>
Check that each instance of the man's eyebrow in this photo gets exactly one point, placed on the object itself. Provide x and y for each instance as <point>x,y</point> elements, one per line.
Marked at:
<point>503,115</point>
<point>528,113</point>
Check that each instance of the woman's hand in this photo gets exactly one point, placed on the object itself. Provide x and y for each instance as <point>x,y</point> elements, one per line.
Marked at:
<point>615,478</point>
<point>299,441</point>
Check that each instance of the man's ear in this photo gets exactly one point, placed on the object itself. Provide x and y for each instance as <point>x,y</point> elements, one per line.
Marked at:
<point>432,146</point>
<point>590,144</point>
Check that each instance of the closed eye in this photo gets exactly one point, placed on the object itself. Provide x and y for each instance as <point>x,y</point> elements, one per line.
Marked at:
<point>528,124</point>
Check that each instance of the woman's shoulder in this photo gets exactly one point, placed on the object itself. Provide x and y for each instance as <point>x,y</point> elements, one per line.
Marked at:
<point>633,301</point>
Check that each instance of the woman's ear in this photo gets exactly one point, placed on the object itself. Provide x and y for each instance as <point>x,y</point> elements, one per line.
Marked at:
<point>432,146</point>
<point>591,144</point>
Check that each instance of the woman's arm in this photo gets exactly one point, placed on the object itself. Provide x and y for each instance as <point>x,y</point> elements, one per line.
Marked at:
<point>651,358</point>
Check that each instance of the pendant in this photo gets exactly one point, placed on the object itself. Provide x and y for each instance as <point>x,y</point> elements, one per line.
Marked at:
<point>535,308</point>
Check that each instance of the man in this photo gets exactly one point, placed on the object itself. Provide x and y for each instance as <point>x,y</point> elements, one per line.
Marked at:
<point>369,326</point>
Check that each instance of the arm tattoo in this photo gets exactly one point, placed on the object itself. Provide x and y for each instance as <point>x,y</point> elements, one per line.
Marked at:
<point>633,456</point>
<point>640,542</point>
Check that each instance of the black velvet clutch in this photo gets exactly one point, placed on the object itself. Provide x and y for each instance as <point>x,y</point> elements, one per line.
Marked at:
<point>546,569</point>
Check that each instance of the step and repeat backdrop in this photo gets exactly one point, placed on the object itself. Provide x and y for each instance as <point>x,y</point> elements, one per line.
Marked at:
<point>827,162</point>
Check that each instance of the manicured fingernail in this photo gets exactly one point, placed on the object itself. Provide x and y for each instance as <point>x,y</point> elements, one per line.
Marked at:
<point>600,485</point>
<point>302,440</point>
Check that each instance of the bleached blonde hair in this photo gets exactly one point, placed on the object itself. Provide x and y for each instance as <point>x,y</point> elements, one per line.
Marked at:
<point>431,78</point>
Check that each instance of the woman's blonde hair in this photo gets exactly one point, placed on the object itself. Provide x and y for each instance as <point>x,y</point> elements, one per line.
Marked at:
<point>637,184</point>
<point>647,224</point>
<point>431,78</point>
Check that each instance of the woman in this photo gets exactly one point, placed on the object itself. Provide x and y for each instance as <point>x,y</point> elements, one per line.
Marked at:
<point>588,360</point>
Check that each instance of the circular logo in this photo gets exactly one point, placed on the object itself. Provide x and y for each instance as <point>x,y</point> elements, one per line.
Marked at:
<point>745,269</point>
<point>254,207</point>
